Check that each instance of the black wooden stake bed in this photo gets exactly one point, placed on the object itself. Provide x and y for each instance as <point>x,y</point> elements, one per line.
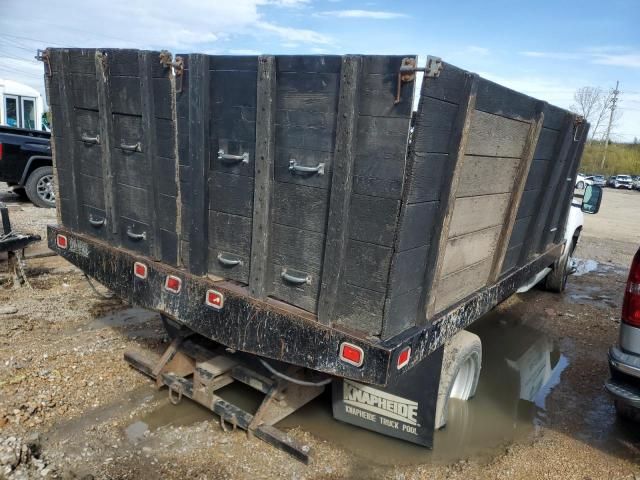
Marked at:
<point>299,190</point>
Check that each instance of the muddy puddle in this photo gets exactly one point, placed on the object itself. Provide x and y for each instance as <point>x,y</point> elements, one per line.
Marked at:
<point>521,366</point>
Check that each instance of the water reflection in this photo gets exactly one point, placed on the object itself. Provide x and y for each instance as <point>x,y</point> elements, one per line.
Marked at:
<point>520,368</point>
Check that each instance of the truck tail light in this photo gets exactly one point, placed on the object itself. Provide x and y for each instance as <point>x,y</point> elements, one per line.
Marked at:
<point>404,357</point>
<point>215,299</point>
<point>140,270</point>
<point>631,303</point>
<point>62,242</point>
<point>172,284</point>
<point>0,151</point>
<point>351,354</point>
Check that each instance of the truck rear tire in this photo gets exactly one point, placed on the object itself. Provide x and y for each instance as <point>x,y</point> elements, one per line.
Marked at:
<point>461,364</point>
<point>39,187</point>
<point>556,281</point>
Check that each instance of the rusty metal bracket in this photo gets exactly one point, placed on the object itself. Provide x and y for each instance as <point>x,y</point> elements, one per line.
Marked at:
<point>177,67</point>
<point>43,56</point>
<point>409,67</point>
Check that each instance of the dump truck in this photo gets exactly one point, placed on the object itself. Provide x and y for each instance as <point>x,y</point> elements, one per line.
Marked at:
<point>298,225</point>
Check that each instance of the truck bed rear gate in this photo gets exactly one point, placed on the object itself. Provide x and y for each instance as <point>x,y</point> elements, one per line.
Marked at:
<point>192,371</point>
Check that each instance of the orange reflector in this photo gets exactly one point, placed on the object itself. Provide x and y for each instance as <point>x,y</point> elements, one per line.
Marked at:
<point>404,357</point>
<point>215,299</point>
<point>140,270</point>
<point>173,284</point>
<point>61,241</point>
<point>351,354</point>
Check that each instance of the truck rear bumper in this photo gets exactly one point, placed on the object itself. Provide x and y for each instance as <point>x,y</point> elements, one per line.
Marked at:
<point>271,328</point>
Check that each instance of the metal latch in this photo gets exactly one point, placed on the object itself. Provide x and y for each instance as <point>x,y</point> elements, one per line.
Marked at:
<point>166,59</point>
<point>43,56</point>
<point>409,67</point>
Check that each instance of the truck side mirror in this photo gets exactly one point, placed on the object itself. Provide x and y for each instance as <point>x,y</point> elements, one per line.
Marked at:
<point>592,199</point>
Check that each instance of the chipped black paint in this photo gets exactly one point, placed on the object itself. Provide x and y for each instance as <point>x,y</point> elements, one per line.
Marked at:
<point>260,328</point>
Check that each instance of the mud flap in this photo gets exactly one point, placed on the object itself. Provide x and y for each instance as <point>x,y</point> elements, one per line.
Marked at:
<point>404,410</point>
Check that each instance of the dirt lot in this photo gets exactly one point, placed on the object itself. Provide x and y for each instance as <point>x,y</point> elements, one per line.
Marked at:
<point>70,407</point>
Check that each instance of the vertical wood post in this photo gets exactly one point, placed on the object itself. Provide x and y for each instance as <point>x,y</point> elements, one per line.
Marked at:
<point>457,148</point>
<point>565,202</point>
<point>149,147</point>
<point>552,178</point>
<point>106,128</point>
<point>199,119</point>
<point>68,142</point>
<point>341,185</point>
<point>263,178</point>
<point>516,192</point>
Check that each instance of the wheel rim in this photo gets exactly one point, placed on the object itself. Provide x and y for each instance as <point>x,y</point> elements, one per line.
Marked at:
<point>44,188</point>
<point>464,380</point>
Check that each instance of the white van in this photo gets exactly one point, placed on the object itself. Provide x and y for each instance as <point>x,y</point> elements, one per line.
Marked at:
<point>21,106</point>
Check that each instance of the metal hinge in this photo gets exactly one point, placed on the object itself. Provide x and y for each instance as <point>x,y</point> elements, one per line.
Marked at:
<point>177,66</point>
<point>409,67</point>
<point>43,56</point>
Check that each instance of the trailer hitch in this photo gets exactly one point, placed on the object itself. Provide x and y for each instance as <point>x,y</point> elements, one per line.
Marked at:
<point>177,66</point>
<point>409,67</point>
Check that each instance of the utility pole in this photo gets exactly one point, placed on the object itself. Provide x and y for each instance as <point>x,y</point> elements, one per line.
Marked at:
<point>614,100</point>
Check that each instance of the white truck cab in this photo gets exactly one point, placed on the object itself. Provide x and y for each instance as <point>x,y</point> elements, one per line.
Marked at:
<point>21,106</point>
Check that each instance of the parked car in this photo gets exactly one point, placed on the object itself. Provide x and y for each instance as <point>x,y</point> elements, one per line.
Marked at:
<point>623,181</point>
<point>624,358</point>
<point>599,180</point>
<point>582,181</point>
<point>636,182</point>
<point>26,166</point>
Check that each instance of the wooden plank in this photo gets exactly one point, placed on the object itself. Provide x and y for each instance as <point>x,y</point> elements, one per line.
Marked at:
<point>263,185</point>
<point>341,186</point>
<point>518,188</point>
<point>71,164</point>
<point>104,94</point>
<point>373,219</point>
<point>198,98</point>
<point>299,206</point>
<point>457,146</point>
<point>461,284</point>
<point>471,214</point>
<point>545,198</point>
<point>367,265</point>
<point>494,136</point>
<point>466,250</point>
<point>231,193</point>
<point>487,175</point>
<point>149,146</point>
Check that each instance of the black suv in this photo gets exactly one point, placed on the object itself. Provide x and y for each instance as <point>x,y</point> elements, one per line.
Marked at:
<point>25,164</point>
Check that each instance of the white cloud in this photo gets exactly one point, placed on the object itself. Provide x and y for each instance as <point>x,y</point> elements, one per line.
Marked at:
<point>619,56</point>
<point>552,55</point>
<point>294,34</point>
<point>622,60</point>
<point>477,50</point>
<point>373,14</point>
<point>244,51</point>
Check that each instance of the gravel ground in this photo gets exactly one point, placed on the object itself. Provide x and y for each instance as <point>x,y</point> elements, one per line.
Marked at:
<point>70,407</point>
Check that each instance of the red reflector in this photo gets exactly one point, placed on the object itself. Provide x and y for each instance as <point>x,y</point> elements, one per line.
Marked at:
<point>140,270</point>
<point>404,357</point>
<point>215,299</point>
<point>0,151</point>
<point>631,302</point>
<point>351,354</point>
<point>61,242</point>
<point>173,284</point>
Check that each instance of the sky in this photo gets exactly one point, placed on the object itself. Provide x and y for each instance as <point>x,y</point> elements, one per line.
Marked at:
<point>546,48</point>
